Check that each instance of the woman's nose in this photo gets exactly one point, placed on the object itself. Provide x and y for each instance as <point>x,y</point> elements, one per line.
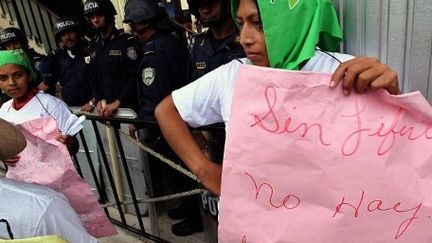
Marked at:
<point>246,37</point>
<point>11,81</point>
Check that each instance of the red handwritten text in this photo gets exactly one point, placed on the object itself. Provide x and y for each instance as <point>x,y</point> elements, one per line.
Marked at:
<point>388,135</point>
<point>290,201</point>
<point>376,205</point>
<point>244,240</point>
<point>271,123</point>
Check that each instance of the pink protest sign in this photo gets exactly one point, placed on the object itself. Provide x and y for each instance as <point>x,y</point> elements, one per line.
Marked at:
<point>303,163</point>
<point>47,162</point>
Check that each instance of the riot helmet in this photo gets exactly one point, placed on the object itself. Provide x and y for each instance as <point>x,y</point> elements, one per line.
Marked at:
<point>65,24</point>
<point>142,10</point>
<point>103,6</point>
<point>13,34</point>
<point>194,5</point>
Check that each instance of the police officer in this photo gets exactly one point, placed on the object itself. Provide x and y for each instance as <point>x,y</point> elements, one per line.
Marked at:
<point>163,66</point>
<point>220,43</point>
<point>163,69</point>
<point>14,38</point>
<point>212,48</point>
<point>67,66</point>
<point>113,60</point>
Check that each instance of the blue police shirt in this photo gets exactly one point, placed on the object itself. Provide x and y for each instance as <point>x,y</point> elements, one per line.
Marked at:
<point>163,69</point>
<point>71,72</point>
<point>113,65</point>
<point>204,58</point>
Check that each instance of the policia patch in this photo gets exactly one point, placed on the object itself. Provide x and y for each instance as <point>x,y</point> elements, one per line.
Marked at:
<point>148,75</point>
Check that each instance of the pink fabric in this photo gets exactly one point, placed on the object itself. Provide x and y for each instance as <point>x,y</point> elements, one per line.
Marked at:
<point>47,162</point>
<point>305,164</point>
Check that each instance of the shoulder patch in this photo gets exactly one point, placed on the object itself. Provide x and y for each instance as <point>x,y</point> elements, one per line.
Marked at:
<point>148,75</point>
<point>131,53</point>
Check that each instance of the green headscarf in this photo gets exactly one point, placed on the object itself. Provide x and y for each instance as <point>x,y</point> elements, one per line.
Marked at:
<point>293,28</point>
<point>18,57</point>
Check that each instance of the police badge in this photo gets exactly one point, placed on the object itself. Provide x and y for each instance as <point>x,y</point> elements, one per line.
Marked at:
<point>148,75</point>
<point>131,53</point>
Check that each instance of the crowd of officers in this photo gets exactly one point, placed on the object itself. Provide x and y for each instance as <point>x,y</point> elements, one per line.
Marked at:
<point>116,69</point>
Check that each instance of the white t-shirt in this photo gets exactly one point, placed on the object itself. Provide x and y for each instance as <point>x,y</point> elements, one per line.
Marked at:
<point>34,210</point>
<point>208,99</point>
<point>41,105</point>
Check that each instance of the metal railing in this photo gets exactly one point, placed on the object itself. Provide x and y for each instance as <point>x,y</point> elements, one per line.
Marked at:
<point>109,181</point>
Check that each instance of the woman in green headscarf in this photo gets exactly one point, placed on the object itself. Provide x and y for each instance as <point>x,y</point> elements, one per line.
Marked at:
<point>28,103</point>
<point>288,34</point>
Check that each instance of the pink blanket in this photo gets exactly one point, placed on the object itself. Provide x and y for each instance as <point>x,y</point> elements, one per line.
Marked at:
<point>47,162</point>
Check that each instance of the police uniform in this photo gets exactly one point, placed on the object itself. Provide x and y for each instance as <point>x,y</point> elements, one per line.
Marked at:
<point>70,70</point>
<point>205,58</point>
<point>36,59</point>
<point>113,64</point>
<point>163,69</point>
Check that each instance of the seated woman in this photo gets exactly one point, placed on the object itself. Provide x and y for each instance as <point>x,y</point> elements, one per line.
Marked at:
<point>45,211</point>
<point>276,35</point>
<point>17,80</point>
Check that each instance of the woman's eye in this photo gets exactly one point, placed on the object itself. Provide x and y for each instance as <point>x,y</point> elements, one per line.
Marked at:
<point>18,75</point>
<point>258,24</point>
<point>240,24</point>
<point>3,77</point>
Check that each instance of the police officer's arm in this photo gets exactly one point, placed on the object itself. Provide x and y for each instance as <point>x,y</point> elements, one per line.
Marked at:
<point>48,72</point>
<point>131,67</point>
<point>91,77</point>
<point>192,63</point>
<point>177,134</point>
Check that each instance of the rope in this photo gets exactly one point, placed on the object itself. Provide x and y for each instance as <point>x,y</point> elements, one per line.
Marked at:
<point>165,160</point>
<point>160,157</point>
<point>160,199</point>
